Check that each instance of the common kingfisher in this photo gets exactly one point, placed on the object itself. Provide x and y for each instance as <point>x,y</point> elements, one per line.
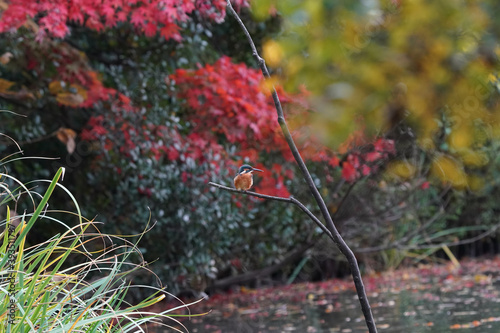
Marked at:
<point>244,180</point>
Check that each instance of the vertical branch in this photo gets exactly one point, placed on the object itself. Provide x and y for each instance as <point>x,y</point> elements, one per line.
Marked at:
<point>339,241</point>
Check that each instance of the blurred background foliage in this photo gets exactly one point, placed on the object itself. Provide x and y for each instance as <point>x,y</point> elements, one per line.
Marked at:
<point>420,73</point>
<point>432,65</point>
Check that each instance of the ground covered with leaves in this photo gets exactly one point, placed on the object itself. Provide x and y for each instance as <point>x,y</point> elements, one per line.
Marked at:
<point>427,298</point>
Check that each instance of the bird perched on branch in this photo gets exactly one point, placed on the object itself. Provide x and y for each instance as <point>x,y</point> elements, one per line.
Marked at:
<point>244,180</point>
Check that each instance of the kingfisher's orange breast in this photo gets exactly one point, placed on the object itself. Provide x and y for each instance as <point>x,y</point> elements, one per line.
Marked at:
<point>243,181</point>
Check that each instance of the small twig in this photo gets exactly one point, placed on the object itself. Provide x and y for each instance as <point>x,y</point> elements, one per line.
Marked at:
<point>269,197</point>
<point>41,138</point>
<point>398,244</point>
<point>344,198</point>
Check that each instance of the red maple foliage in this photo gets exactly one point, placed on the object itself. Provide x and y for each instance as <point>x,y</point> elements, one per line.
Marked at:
<point>227,99</point>
<point>230,100</point>
<point>148,16</point>
<point>225,102</point>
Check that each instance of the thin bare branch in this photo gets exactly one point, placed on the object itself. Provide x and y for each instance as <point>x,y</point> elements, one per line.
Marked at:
<point>337,238</point>
<point>291,200</point>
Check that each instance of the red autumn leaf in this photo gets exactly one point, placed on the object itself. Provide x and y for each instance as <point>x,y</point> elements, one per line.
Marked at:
<point>385,146</point>
<point>137,19</point>
<point>171,31</point>
<point>172,154</point>
<point>372,156</point>
<point>425,185</point>
<point>365,170</point>
<point>349,173</point>
<point>150,30</point>
<point>54,15</point>
<point>353,159</point>
<point>334,162</point>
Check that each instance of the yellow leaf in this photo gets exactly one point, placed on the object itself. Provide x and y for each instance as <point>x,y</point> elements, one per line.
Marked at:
<point>72,96</point>
<point>273,54</point>
<point>461,137</point>
<point>294,65</point>
<point>482,279</point>
<point>475,183</point>
<point>449,170</point>
<point>79,90</point>
<point>55,87</point>
<point>261,9</point>
<point>269,84</point>
<point>401,169</point>
<point>473,158</point>
<point>70,99</point>
<point>5,85</point>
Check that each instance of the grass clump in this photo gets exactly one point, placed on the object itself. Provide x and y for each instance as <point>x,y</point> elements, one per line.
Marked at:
<point>75,281</point>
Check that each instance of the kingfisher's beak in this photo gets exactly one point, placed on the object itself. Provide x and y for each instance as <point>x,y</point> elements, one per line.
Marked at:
<point>253,169</point>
